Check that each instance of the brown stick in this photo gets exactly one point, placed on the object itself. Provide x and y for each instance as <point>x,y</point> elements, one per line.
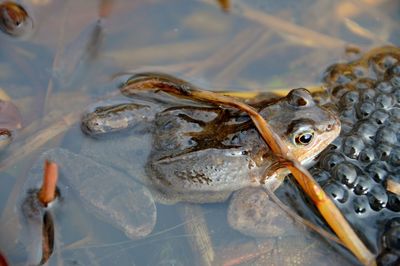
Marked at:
<point>47,192</point>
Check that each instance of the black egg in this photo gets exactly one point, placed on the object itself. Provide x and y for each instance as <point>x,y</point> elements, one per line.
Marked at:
<point>360,205</point>
<point>337,192</point>
<point>378,171</point>
<point>396,94</point>
<point>368,94</point>
<point>349,99</point>
<point>395,115</point>
<point>377,197</point>
<point>391,239</point>
<point>339,91</point>
<point>366,129</point>
<point>320,175</point>
<point>394,158</point>
<point>364,84</point>
<point>381,64</point>
<point>345,173</point>
<point>367,155</point>
<point>394,222</point>
<point>383,151</point>
<point>360,71</point>
<point>364,109</point>
<point>348,116</point>
<point>379,116</point>
<point>352,146</point>
<point>384,101</point>
<point>393,202</point>
<point>395,81</point>
<point>330,160</point>
<point>384,87</point>
<point>363,185</point>
<point>388,259</point>
<point>386,135</point>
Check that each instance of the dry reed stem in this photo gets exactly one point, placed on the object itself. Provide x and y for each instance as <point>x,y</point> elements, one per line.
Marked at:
<point>282,26</point>
<point>393,186</point>
<point>47,192</point>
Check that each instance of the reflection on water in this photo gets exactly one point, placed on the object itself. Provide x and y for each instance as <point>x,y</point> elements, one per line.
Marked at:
<point>69,61</point>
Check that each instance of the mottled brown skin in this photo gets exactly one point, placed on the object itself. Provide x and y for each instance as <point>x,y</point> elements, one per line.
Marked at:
<point>204,154</point>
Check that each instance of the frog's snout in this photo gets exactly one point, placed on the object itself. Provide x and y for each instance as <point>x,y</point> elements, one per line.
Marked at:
<point>90,125</point>
<point>334,125</point>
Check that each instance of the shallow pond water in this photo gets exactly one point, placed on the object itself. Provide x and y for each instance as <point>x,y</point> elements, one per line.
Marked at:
<point>70,60</point>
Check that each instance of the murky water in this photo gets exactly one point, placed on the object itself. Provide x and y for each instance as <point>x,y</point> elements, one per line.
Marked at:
<point>69,61</point>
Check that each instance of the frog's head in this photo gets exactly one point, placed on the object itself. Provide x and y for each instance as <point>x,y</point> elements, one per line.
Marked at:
<point>305,127</point>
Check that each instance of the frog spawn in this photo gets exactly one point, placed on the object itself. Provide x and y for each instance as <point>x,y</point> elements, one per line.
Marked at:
<point>355,169</point>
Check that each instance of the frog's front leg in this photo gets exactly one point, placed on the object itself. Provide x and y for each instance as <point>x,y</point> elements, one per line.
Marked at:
<point>117,117</point>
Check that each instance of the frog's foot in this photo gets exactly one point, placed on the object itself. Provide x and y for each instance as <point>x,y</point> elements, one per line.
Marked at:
<point>116,117</point>
<point>253,213</point>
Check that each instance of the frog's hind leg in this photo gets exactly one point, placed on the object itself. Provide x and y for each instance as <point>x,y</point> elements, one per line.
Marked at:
<point>181,88</point>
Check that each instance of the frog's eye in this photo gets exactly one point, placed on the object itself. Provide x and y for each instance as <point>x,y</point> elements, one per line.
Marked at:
<point>304,138</point>
<point>300,98</point>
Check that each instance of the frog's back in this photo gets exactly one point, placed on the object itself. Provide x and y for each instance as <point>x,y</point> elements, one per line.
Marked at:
<point>204,154</point>
<point>204,150</point>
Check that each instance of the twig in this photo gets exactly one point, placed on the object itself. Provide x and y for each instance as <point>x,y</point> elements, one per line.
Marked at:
<point>47,192</point>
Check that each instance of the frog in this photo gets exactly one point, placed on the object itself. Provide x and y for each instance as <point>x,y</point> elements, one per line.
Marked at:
<point>202,153</point>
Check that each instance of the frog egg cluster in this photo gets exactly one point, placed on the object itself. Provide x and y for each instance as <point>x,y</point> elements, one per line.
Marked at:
<point>356,168</point>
